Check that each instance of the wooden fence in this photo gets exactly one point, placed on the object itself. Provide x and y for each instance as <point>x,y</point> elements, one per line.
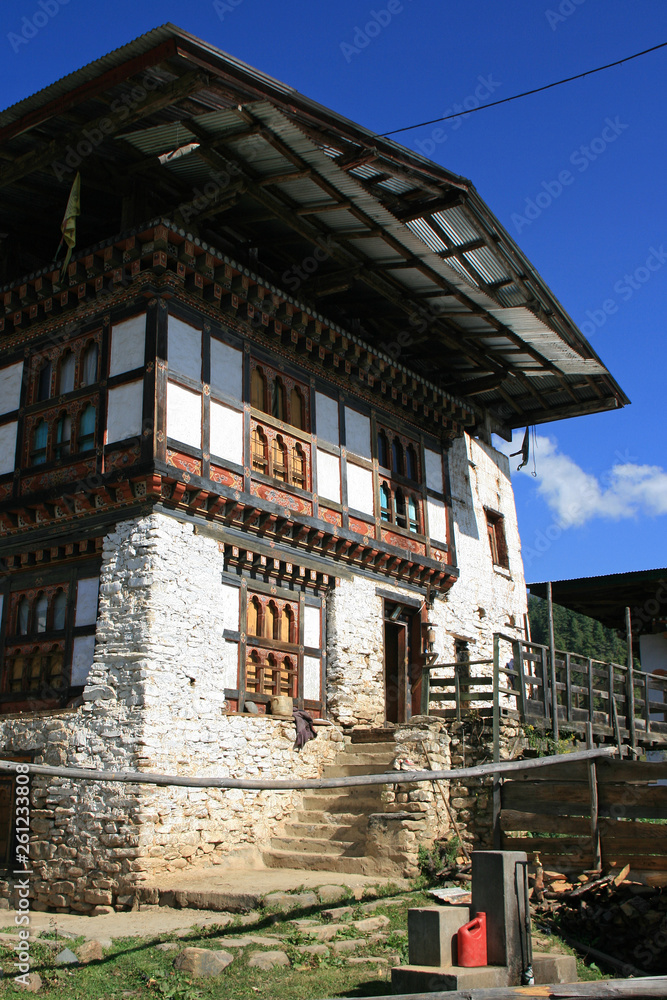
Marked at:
<point>627,706</point>
<point>589,814</point>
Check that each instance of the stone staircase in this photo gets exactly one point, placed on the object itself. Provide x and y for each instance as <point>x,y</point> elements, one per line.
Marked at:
<point>330,831</point>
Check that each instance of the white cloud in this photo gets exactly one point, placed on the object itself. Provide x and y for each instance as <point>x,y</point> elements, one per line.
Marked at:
<point>627,490</point>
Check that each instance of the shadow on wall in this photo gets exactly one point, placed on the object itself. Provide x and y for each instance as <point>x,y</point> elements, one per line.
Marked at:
<point>460,473</point>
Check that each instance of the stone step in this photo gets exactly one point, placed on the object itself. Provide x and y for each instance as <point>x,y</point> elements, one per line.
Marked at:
<point>369,748</point>
<point>346,770</point>
<point>319,862</point>
<point>386,759</point>
<point>319,845</point>
<point>321,817</point>
<point>331,800</point>
<point>333,831</point>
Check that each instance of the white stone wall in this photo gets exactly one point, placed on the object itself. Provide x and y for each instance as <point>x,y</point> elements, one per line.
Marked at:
<point>355,663</point>
<point>485,599</point>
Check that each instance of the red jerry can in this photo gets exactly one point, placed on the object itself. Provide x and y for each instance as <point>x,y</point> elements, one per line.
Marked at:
<point>471,943</point>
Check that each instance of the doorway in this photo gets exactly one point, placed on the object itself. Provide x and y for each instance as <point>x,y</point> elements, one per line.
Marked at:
<point>402,661</point>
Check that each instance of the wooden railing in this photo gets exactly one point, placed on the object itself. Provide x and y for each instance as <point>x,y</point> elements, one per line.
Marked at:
<point>570,691</point>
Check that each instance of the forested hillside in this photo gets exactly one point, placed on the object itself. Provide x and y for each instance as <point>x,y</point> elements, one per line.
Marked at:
<point>575,633</point>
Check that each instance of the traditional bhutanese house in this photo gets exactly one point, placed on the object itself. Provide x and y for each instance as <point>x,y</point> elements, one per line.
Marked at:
<point>245,444</point>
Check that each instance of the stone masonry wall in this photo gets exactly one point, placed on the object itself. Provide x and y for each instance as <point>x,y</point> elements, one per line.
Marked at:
<point>154,702</point>
<point>355,654</point>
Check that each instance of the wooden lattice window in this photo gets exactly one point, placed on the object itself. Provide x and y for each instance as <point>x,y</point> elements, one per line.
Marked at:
<point>279,395</point>
<point>258,447</point>
<point>495,528</point>
<point>272,628</point>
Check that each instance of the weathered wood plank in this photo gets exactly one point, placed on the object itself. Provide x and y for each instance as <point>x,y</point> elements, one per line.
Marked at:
<point>513,819</point>
<point>631,770</point>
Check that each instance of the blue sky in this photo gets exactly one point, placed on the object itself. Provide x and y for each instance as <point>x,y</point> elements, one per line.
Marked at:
<point>599,501</point>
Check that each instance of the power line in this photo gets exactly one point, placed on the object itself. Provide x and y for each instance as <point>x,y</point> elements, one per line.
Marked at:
<point>526,93</point>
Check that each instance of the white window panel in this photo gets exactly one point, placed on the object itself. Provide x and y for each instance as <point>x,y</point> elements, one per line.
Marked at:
<point>328,475</point>
<point>128,345</point>
<point>125,411</point>
<point>226,369</point>
<point>230,598</point>
<point>8,447</point>
<point>183,415</point>
<point>82,658</point>
<point>312,678</point>
<point>434,470</point>
<point>359,488</point>
<point>437,520</point>
<point>184,351</point>
<point>10,387</point>
<point>226,433</point>
<point>326,410</point>
<point>357,433</point>
<point>312,624</point>
<point>87,590</point>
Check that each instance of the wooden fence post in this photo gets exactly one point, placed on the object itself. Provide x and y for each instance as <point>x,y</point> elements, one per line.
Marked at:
<point>552,663</point>
<point>630,682</point>
<point>593,786</point>
<point>496,698</point>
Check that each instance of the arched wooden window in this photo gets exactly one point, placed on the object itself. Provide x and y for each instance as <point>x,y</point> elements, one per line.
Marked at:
<point>383,450</point>
<point>40,438</point>
<point>63,443</point>
<point>297,409</point>
<point>258,447</point>
<point>66,373</point>
<point>399,501</point>
<point>16,672</point>
<point>286,620</point>
<point>87,429</point>
<point>279,459</point>
<point>299,467</point>
<point>278,400</point>
<point>59,610</point>
<point>89,367</point>
<point>255,615</point>
<point>397,464</point>
<point>254,672</point>
<point>272,684</point>
<point>385,502</point>
<point>258,389</point>
<point>273,621</point>
<point>411,463</point>
<point>44,382</point>
<point>23,616</point>
<point>55,675</point>
<point>288,678</point>
<point>35,671</point>
<point>413,514</point>
<point>41,613</point>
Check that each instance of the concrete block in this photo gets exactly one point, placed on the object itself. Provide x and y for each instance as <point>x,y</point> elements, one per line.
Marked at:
<point>432,934</point>
<point>427,979</point>
<point>553,968</point>
<point>494,893</point>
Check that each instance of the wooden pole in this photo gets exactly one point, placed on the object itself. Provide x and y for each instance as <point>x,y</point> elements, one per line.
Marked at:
<point>496,698</point>
<point>593,786</point>
<point>552,663</point>
<point>630,682</point>
<point>389,778</point>
<point>604,989</point>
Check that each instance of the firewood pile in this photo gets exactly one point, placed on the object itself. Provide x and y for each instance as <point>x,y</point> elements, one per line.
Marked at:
<point>622,922</point>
